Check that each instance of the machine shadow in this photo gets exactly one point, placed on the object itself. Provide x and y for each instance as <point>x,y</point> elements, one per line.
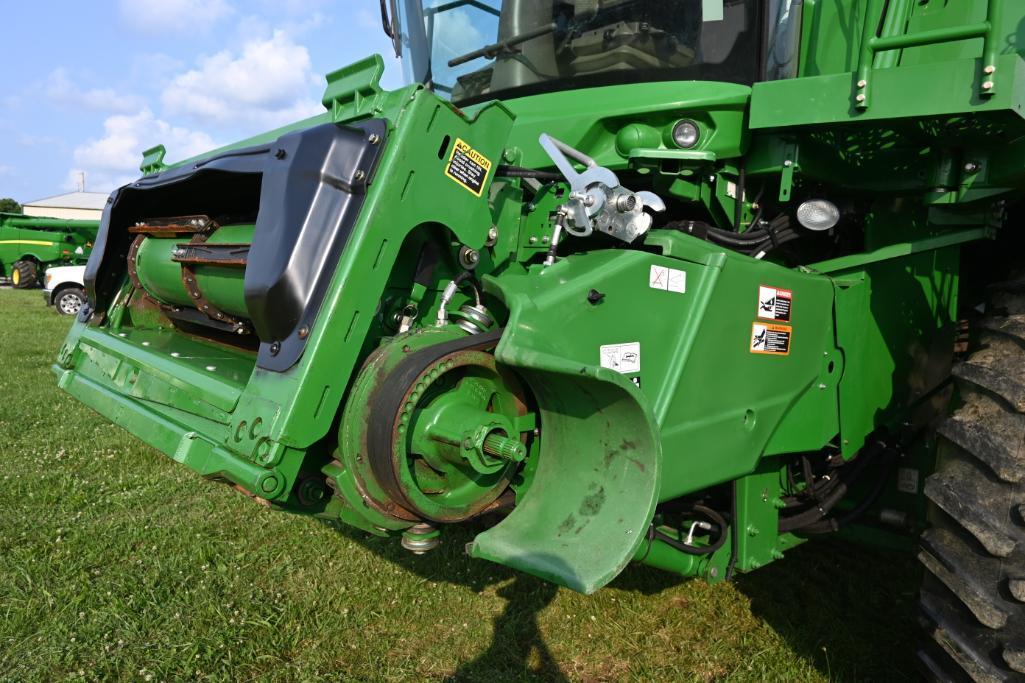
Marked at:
<point>849,610</point>
<point>517,650</point>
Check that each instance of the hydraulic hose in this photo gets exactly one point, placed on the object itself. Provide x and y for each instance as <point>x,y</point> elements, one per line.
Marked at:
<point>715,517</point>
<point>520,172</point>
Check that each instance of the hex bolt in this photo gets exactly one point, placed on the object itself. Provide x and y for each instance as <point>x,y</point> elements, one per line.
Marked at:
<point>304,332</point>
<point>359,175</point>
<point>280,153</point>
<point>988,85</point>
<point>532,240</point>
<point>862,83</point>
<point>788,163</point>
<point>373,138</point>
<point>860,97</point>
<point>989,69</point>
<point>971,167</point>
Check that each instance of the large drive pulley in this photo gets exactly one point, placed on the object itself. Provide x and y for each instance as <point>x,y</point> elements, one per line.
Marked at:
<point>434,429</point>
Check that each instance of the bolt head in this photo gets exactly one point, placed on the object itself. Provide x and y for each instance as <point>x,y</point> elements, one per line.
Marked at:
<point>788,163</point>
<point>990,69</point>
<point>862,83</point>
<point>860,97</point>
<point>532,240</point>
<point>373,138</point>
<point>359,175</point>
<point>988,85</point>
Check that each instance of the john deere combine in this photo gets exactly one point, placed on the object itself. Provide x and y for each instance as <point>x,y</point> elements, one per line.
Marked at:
<point>29,244</point>
<point>681,283</point>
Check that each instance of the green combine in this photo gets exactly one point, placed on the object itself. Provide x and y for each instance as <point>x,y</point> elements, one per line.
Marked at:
<point>680,283</point>
<point>30,244</point>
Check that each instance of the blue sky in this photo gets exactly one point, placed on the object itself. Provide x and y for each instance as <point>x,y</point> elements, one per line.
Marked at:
<point>86,86</point>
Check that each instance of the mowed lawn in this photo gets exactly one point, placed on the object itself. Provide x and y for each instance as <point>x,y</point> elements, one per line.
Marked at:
<point>116,563</point>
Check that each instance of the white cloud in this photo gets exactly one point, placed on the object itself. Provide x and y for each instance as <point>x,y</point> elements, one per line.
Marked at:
<point>62,89</point>
<point>174,16</point>
<point>113,160</point>
<point>269,83</point>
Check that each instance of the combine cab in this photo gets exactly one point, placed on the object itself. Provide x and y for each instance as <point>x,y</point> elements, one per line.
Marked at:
<point>675,283</point>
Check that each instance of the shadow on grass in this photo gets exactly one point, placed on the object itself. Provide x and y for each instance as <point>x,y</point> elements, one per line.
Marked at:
<point>847,609</point>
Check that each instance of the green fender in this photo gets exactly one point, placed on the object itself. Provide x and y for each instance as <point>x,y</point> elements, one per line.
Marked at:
<point>594,491</point>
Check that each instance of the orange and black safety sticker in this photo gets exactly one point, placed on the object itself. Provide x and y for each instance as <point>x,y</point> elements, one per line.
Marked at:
<point>775,303</point>
<point>468,167</point>
<point>771,339</point>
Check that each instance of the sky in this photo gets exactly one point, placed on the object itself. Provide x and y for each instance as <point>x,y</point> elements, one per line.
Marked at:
<point>86,86</point>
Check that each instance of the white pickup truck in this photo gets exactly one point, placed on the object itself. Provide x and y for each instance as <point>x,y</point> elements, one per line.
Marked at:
<point>63,288</point>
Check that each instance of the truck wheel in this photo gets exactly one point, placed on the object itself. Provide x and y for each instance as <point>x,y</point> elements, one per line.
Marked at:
<point>69,301</point>
<point>24,274</point>
<point>973,595</point>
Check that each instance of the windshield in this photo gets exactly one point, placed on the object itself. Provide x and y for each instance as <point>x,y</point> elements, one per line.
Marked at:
<point>471,50</point>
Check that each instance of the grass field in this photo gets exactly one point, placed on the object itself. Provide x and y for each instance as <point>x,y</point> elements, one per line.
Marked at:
<point>117,563</point>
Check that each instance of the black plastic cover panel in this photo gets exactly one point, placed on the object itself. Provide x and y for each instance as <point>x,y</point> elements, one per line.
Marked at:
<point>309,187</point>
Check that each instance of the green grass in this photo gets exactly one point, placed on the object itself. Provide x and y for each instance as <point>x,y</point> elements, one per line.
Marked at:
<point>117,563</point>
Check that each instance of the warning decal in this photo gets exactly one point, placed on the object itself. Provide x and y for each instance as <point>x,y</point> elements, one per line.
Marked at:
<point>623,358</point>
<point>771,339</point>
<point>775,303</point>
<point>468,167</point>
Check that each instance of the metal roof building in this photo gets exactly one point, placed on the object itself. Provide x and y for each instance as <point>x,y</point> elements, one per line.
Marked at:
<point>87,205</point>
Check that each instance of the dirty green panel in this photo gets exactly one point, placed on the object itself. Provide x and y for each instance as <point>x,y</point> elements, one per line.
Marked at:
<point>901,352</point>
<point>721,404</point>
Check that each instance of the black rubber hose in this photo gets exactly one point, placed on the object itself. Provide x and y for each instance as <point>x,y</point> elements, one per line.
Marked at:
<point>715,517</point>
<point>814,514</point>
<point>520,172</point>
<point>830,525</point>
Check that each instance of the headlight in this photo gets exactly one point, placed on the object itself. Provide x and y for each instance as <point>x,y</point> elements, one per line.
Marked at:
<point>686,134</point>
<point>818,214</point>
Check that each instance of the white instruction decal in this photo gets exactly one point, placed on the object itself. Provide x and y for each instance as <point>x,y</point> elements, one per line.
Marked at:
<point>668,279</point>
<point>623,358</point>
<point>907,480</point>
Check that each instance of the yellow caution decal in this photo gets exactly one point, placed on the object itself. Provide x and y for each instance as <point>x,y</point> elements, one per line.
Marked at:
<point>468,167</point>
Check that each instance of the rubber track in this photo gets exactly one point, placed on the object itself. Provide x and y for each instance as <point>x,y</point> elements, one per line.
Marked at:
<point>973,596</point>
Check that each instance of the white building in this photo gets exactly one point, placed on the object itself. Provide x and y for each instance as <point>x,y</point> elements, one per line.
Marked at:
<point>86,205</point>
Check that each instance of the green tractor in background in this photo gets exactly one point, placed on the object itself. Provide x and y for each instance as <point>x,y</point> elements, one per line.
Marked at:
<point>682,283</point>
<point>30,244</point>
